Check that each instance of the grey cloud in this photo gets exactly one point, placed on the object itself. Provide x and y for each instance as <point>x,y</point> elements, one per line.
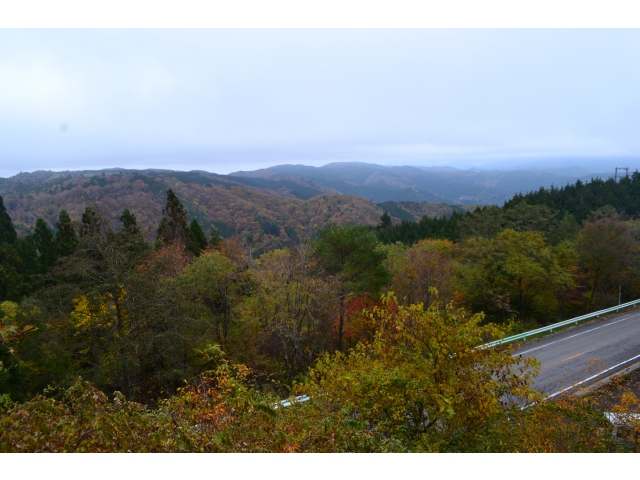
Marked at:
<point>202,97</point>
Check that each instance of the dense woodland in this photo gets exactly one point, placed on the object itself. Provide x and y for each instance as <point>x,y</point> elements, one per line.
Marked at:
<point>187,341</point>
<point>262,218</point>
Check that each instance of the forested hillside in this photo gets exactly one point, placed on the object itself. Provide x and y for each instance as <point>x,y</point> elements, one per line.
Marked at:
<point>264,218</point>
<point>405,183</point>
<point>582,238</point>
<point>165,336</point>
<point>580,199</point>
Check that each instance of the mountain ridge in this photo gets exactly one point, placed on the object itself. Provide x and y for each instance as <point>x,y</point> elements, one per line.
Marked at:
<point>265,217</point>
<point>449,185</point>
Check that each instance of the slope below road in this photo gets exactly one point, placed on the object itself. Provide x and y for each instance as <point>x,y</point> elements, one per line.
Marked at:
<point>578,353</point>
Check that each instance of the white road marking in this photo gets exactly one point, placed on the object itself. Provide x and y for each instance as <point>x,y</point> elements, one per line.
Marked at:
<point>578,334</point>
<point>592,377</point>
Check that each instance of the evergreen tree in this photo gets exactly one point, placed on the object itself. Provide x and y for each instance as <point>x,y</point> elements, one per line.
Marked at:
<point>162,228</point>
<point>173,227</point>
<point>66,240</point>
<point>385,221</point>
<point>197,240</point>
<point>130,235</point>
<point>350,254</point>
<point>411,232</point>
<point>580,199</point>
<point>7,232</point>
<point>30,264</point>
<point>90,221</point>
<point>16,260</point>
<point>216,239</point>
<point>11,281</point>
<point>43,239</point>
<point>129,222</point>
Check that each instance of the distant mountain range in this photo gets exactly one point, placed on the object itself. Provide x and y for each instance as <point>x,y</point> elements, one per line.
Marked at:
<point>265,214</point>
<point>272,207</point>
<point>421,184</point>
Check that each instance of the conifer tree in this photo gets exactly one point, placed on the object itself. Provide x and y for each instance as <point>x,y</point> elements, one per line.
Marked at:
<point>10,279</point>
<point>90,221</point>
<point>43,239</point>
<point>28,252</point>
<point>129,222</point>
<point>350,254</point>
<point>173,227</point>
<point>385,221</point>
<point>12,251</point>
<point>216,239</point>
<point>197,239</point>
<point>66,240</point>
<point>7,231</point>
<point>130,235</point>
<point>162,228</point>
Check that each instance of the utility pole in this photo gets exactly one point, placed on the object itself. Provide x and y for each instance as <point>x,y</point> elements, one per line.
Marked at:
<point>626,169</point>
<point>620,295</point>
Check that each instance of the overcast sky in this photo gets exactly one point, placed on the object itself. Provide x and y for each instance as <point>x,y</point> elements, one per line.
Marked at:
<point>227,100</point>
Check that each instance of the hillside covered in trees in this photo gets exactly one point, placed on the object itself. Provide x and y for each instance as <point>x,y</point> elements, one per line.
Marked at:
<point>185,338</point>
<point>407,183</point>
<point>264,218</point>
<point>585,234</point>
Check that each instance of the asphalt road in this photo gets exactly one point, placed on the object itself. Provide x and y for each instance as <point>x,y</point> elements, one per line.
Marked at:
<point>595,349</point>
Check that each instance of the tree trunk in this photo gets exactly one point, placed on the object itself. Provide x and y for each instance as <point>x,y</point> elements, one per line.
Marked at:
<point>341,326</point>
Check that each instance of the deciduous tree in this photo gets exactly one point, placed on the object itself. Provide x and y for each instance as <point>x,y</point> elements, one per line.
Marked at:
<point>422,380</point>
<point>293,309</point>
<point>604,246</point>
<point>416,270</point>
<point>513,274</point>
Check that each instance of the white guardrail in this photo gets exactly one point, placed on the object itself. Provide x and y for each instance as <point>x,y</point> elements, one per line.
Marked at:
<point>287,403</point>
<point>550,328</point>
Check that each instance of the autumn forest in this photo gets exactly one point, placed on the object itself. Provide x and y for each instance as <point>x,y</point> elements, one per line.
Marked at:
<point>181,312</point>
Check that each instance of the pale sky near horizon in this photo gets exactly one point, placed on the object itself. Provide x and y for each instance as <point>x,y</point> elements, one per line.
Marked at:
<point>227,100</point>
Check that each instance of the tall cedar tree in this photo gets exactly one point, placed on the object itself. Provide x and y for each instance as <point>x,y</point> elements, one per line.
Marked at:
<point>173,227</point>
<point>26,248</point>
<point>129,222</point>
<point>350,254</point>
<point>43,239</point>
<point>7,232</point>
<point>66,238</point>
<point>90,221</point>
<point>130,235</point>
<point>197,239</point>
<point>410,232</point>
<point>11,265</point>
<point>11,280</point>
<point>580,199</point>
<point>385,221</point>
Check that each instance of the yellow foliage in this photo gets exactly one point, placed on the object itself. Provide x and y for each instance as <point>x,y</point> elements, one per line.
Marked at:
<point>422,377</point>
<point>105,311</point>
<point>10,310</point>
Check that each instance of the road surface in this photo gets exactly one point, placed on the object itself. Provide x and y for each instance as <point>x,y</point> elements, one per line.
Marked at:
<point>585,353</point>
